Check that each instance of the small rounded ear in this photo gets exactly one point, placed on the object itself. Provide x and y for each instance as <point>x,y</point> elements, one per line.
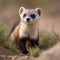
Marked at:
<point>21,10</point>
<point>38,10</point>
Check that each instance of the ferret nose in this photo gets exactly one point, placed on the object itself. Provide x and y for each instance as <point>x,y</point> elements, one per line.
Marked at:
<point>28,19</point>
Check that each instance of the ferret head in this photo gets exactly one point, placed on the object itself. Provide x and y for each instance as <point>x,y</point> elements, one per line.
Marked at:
<point>29,15</point>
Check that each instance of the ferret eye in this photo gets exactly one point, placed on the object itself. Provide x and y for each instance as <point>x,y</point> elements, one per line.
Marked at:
<point>32,16</point>
<point>24,15</point>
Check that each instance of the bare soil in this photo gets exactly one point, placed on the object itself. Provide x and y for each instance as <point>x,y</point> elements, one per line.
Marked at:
<point>51,54</point>
<point>8,55</point>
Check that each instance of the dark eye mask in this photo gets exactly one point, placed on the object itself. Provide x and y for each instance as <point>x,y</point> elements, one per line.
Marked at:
<point>33,16</point>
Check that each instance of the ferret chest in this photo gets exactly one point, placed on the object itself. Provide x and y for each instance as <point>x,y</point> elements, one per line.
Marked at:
<point>30,31</point>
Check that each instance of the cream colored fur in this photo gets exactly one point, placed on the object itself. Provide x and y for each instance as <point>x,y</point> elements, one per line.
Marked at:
<point>24,28</point>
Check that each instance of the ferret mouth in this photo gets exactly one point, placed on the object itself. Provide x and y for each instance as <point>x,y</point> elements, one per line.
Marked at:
<point>29,22</point>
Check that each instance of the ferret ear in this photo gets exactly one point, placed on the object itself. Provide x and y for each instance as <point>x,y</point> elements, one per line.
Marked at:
<point>38,10</point>
<point>21,10</point>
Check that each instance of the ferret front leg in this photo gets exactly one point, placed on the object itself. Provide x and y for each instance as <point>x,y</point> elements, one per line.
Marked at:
<point>22,45</point>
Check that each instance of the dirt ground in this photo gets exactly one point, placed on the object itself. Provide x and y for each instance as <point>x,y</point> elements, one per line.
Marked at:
<point>50,54</point>
<point>8,55</point>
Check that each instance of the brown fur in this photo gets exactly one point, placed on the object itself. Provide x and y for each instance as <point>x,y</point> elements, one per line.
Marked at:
<point>14,26</point>
<point>14,35</point>
<point>14,31</point>
<point>28,44</point>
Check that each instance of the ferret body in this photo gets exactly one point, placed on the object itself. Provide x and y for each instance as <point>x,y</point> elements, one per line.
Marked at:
<point>26,32</point>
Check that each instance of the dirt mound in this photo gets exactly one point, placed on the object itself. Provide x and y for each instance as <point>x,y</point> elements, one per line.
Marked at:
<point>51,54</point>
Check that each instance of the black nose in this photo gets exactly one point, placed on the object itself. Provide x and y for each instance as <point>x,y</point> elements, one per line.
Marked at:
<point>28,19</point>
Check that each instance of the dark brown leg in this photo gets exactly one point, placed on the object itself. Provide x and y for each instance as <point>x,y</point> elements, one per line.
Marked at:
<point>22,45</point>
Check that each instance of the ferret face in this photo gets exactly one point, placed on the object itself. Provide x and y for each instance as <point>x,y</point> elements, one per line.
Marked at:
<point>29,15</point>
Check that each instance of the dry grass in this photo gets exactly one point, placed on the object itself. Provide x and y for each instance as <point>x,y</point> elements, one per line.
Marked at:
<point>46,41</point>
<point>34,52</point>
<point>5,41</point>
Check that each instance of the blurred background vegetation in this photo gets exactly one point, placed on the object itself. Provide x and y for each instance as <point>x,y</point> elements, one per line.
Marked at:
<point>49,21</point>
